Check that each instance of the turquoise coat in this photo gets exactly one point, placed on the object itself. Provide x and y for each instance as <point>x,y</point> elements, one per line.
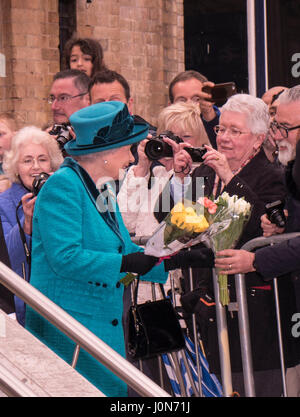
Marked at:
<point>76,259</point>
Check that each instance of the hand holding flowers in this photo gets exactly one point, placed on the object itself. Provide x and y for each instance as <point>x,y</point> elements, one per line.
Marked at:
<point>218,224</point>
<point>227,226</point>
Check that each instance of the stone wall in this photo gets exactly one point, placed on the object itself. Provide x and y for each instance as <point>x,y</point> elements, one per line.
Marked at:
<point>142,40</point>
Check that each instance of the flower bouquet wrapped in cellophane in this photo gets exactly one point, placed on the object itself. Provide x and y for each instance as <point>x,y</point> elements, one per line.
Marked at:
<point>181,228</point>
<point>217,223</point>
<point>227,224</point>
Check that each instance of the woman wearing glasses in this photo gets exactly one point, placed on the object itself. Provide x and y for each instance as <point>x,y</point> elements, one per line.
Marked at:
<point>32,152</point>
<point>240,167</point>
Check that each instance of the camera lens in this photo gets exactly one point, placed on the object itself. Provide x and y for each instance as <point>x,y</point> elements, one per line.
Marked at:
<point>156,149</point>
<point>38,182</point>
<point>276,214</point>
<point>277,218</point>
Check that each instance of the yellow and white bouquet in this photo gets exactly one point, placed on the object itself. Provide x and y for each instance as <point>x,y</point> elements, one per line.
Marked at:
<point>217,223</point>
<point>181,228</point>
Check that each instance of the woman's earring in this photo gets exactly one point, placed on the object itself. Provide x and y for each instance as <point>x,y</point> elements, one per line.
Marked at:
<point>105,161</point>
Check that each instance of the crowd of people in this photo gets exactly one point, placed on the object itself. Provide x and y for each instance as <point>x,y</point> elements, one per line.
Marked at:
<point>72,239</point>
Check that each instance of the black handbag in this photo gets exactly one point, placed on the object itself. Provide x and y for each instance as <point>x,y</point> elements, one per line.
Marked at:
<point>154,328</point>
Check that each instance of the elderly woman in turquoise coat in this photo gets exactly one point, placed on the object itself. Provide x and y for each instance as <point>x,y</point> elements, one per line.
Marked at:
<point>80,246</point>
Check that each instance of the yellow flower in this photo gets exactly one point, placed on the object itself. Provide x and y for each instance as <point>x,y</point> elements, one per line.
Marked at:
<point>178,208</point>
<point>190,211</point>
<point>177,218</point>
<point>202,225</point>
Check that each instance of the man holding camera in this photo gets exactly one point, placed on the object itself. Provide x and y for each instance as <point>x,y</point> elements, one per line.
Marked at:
<point>68,93</point>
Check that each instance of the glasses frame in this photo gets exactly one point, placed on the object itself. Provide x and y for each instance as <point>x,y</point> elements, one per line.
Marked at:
<point>275,125</point>
<point>239,132</point>
<point>51,100</point>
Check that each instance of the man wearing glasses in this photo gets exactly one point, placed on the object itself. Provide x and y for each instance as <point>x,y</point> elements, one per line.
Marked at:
<point>68,93</point>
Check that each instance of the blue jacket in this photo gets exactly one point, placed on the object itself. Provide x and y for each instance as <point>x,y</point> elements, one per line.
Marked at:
<point>9,201</point>
<point>76,260</point>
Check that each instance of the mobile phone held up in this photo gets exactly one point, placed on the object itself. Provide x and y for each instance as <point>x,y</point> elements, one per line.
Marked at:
<point>220,92</point>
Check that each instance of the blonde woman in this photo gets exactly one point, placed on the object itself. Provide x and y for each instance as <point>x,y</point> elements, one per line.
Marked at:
<point>144,181</point>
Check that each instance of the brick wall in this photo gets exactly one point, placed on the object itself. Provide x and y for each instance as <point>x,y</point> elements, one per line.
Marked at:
<point>143,40</point>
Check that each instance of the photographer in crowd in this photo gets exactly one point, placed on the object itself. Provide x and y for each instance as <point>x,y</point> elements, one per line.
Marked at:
<point>68,93</point>
<point>144,181</point>
<point>32,152</point>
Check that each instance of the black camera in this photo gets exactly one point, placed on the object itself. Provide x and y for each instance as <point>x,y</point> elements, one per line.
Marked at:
<point>63,134</point>
<point>157,148</point>
<point>275,213</point>
<point>196,153</point>
<point>38,182</point>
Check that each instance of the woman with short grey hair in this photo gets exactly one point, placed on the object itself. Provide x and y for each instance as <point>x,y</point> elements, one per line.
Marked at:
<point>32,152</point>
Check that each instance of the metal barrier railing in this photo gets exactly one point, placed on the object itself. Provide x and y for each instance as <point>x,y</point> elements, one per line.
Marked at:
<point>80,334</point>
<point>243,319</point>
<point>243,313</point>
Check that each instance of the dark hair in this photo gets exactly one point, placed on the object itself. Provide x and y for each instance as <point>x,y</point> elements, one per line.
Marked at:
<point>88,46</point>
<point>184,76</point>
<point>109,76</point>
<point>81,80</point>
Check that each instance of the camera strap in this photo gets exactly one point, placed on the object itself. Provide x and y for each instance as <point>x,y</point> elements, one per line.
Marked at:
<point>23,237</point>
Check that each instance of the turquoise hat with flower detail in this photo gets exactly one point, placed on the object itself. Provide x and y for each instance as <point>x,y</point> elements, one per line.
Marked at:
<point>104,126</point>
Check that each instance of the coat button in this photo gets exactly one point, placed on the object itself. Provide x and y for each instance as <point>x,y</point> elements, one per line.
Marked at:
<point>120,249</point>
<point>118,284</point>
<point>115,322</point>
<point>104,285</point>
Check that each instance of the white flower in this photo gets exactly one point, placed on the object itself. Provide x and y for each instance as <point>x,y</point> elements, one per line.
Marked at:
<point>242,207</point>
<point>225,196</point>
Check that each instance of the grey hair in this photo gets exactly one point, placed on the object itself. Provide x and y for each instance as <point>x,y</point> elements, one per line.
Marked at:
<point>27,135</point>
<point>290,95</point>
<point>254,108</point>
